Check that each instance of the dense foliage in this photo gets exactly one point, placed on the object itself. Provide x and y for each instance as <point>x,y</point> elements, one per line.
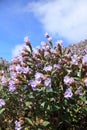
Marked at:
<point>46,89</point>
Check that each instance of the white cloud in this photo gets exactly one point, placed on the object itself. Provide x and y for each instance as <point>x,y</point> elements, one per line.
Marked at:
<point>66,18</point>
<point>16,50</point>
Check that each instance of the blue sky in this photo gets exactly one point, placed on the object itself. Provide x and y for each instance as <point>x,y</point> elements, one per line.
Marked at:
<point>62,19</point>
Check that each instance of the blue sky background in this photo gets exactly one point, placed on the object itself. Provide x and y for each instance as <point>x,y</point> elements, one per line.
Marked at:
<point>32,18</point>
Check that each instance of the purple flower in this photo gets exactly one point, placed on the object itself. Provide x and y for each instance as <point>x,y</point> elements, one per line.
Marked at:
<point>53,51</point>
<point>3,81</point>
<point>26,70</point>
<point>68,93</point>
<point>50,39</point>
<point>39,77</point>
<point>85,82</point>
<point>13,75</point>
<point>84,60</point>
<point>36,51</point>
<point>19,69</point>
<point>33,84</point>
<point>20,58</point>
<point>57,66</point>
<point>74,60</point>
<point>48,68</point>
<point>12,68</point>
<point>15,60</point>
<point>47,83</point>
<point>45,46</point>
<point>68,80</point>
<point>60,42</point>
<point>17,125</point>
<point>26,39</point>
<point>46,54</point>
<point>2,102</point>
<point>12,87</point>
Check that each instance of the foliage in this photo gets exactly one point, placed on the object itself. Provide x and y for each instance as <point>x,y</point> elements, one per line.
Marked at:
<point>46,89</point>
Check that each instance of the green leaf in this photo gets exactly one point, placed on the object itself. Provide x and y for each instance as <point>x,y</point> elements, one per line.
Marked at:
<point>85,108</point>
<point>57,107</point>
<point>49,90</point>
<point>53,72</point>
<point>29,121</point>
<point>43,104</point>
<point>2,110</point>
<point>48,107</point>
<point>83,98</point>
<point>39,129</point>
<point>45,123</point>
<point>27,103</point>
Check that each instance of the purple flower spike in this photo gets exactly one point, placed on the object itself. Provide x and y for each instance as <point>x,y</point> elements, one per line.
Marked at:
<point>68,93</point>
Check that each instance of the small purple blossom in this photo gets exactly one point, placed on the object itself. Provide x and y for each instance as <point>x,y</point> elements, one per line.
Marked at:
<point>84,59</point>
<point>85,82</point>
<point>2,102</point>
<point>46,54</point>
<point>17,125</point>
<point>47,83</point>
<point>26,70</point>
<point>57,66</point>
<point>53,51</point>
<point>74,60</point>
<point>59,42</point>
<point>20,58</point>
<point>33,84</point>
<point>36,51</point>
<point>15,60</point>
<point>26,39</point>
<point>68,80</point>
<point>45,46</point>
<point>50,39</point>
<point>68,93</point>
<point>13,75</point>
<point>12,87</point>
<point>3,81</point>
<point>39,77</point>
<point>19,69</point>
<point>12,68</point>
<point>48,68</point>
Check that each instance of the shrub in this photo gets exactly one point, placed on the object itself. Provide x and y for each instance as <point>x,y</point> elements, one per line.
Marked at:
<point>46,89</point>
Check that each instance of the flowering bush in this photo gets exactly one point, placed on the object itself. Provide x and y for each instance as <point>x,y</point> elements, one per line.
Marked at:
<point>46,89</point>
